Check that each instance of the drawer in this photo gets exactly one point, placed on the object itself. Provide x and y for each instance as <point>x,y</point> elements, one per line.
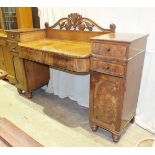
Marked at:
<point>12,46</point>
<point>110,50</point>
<point>63,62</point>
<point>48,58</point>
<point>13,36</point>
<point>31,54</point>
<point>72,64</point>
<point>108,68</point>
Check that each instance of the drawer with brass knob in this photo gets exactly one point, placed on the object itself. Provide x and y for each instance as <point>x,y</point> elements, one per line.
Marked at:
<point>107,67</point>
<point>109,50</point>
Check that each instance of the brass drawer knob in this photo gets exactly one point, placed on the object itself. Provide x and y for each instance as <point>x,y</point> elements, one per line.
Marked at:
<point>107,49</point>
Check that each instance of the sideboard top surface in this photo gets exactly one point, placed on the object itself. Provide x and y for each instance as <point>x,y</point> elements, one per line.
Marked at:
<point>77,49</point>
<point>119,37</point>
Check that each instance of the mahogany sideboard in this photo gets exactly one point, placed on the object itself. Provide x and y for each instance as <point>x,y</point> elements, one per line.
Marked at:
<point>114,61</point>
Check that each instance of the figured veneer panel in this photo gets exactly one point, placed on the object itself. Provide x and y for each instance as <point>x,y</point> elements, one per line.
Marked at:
<point>106,101</point>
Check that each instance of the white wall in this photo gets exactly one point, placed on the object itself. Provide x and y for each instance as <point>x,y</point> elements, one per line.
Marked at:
<point>133,20</point>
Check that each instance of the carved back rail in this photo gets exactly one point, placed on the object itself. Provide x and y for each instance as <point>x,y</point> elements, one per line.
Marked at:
<point>75,27</point>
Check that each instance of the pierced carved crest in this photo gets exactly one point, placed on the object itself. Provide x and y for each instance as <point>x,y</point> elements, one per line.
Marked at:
<point>77,23</point>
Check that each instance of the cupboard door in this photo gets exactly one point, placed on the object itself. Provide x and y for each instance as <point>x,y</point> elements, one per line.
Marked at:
<point>107,100</point>
<point>19,72</point>
<point>8,57</point>
<point>2,64</point>
<point>37,75</point>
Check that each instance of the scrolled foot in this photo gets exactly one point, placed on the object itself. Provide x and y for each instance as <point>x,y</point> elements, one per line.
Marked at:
<point>28,95</point>
<point>94,127</point>
<point>132,120</point>
<point>115,138</point>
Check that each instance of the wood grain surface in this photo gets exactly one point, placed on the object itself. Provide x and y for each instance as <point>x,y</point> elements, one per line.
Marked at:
<point>11,135</point>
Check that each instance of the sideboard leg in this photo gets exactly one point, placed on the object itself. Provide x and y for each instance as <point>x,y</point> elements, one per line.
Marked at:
<point>132,120</point>
<point>94,127</point>
<point>19,91</point>
<point>115,137</point>
<point>28,94</point>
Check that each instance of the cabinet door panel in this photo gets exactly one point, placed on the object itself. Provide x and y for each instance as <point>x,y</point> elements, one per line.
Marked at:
<point>19,72</point>
<point>2,65</point>
<point>8,57</point>
<point>37,75</point>
<point>107,100</point>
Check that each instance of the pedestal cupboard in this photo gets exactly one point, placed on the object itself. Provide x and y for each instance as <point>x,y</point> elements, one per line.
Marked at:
<point>28,75</point>
<point>116,68</point>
